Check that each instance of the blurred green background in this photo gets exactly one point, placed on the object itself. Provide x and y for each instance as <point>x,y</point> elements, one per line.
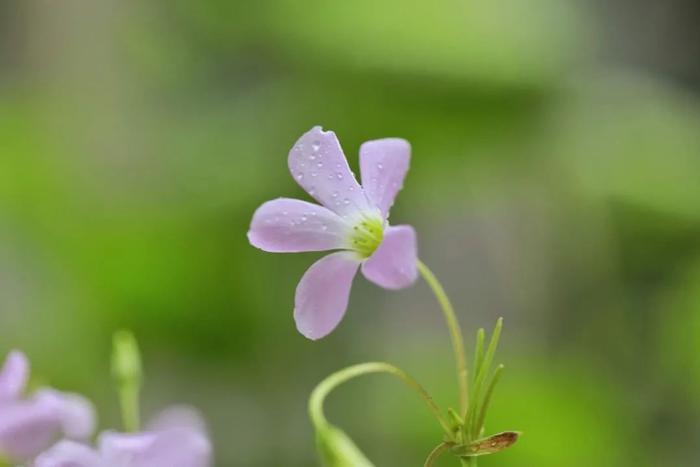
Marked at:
<point>555,181</point>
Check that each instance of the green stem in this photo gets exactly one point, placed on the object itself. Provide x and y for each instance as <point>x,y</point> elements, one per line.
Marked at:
<point>126,369</point>
<point>339,377</point>
<point>435,453</point>
<point>455,334</point>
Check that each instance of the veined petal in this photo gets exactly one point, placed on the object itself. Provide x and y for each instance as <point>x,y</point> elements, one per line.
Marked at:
<point>290,225</point>
<point>69,454</point>
<point>383,165</point>
<point>75,413</point>
<point>394,264</point>
<point>323,293</point>
<point>319,166</point>
<point>13,376</point>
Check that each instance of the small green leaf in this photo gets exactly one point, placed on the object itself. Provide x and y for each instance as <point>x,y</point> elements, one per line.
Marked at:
<point>491,445</point>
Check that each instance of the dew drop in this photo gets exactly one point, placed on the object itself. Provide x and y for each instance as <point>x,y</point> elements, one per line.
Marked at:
<point>300,176</point>
<point>304,218</point>
<point>313,174</point>
<point>334,194</point>
<point>324,227</point>
<point>346,201</point>
<point>351,188</point>
<point>380,166</point>
<point>320,164</point>
<point>339,175</point>
<point>285,213</point>
<point>315,146</point>
<point>312,157</point>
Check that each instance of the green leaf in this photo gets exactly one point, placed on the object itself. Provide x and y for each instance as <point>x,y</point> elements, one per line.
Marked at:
<point>490,445</point>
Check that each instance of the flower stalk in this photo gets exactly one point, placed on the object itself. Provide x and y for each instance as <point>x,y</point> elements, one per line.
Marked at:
<point>324,388</point>
<point>126,370</point>
<point>455,334</point>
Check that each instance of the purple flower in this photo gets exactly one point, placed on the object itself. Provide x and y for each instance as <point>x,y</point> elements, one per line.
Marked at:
<point>176,438</point>
<point>29,425</point>
<point>352,218</point>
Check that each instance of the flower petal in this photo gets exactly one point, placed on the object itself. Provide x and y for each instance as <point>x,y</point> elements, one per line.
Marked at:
<point>178,447</point>
<point>323,293</point>
<point>26,429</point>
<point>289,225</point>
<point>13,376</point>
<point>69,454</point>
<point>75,413</point>
<point>394,264</point>
<point>383,165</point>
<point>120,449</point>
<point>178,416</point>
<point>319,166</point>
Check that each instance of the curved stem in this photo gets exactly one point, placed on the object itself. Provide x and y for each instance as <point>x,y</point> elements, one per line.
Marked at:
<point>331,382</point>
<point>455,334</point>
<point>435,453</point>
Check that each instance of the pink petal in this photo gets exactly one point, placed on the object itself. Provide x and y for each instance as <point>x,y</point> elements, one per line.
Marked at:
<point>69,454</point>
<point>75,413</point>
<point>383,165</point>
<point>13,376</point>
<point>394,264</point>
<point>289,225</point>
<point>318,164</point>
<point>323,293</point>
<point>26,429</point>
<point>178,448</point>
<point>122,449</point>
<point>178,416</point>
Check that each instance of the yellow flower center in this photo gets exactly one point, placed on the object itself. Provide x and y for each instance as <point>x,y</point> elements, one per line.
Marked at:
<point>367,234</point>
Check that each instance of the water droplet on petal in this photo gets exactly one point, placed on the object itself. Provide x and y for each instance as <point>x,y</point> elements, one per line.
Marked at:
<point>300,176</point>
<point>315,146</point>
<point>346,201</point>
<point>304,218</point>
<point>324,227</point>
<point>335,194</point>
<point>313,174</point>
<point>339,175</point>
<point>320,164</point>
<point>380,166</point>
<point>312,157</point>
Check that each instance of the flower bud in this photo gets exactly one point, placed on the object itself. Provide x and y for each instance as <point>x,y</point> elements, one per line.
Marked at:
<point>336,449</point>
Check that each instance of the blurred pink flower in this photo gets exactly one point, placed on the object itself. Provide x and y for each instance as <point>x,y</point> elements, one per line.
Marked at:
<point>351,218</point>
<point>29,425</point>
<point>177,438</point>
